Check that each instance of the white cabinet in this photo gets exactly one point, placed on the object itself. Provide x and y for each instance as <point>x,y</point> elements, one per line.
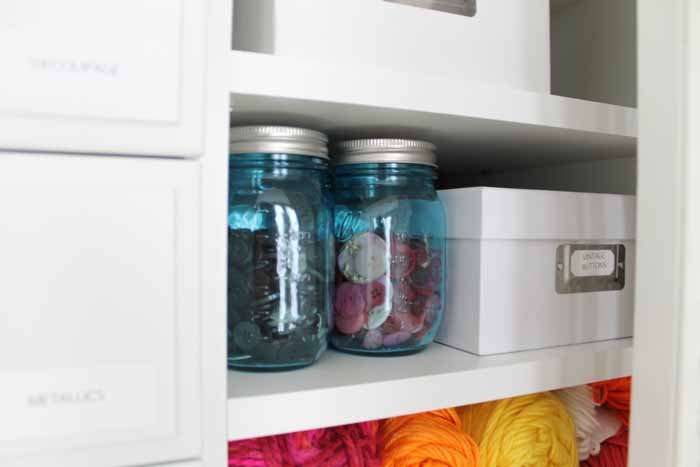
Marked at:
<point>107,358</point>
<point>99,76</point>
<point>665,403</point>
<point>99,311</point>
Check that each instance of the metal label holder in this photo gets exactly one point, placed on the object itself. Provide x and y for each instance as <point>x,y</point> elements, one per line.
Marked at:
<point>581,268</point>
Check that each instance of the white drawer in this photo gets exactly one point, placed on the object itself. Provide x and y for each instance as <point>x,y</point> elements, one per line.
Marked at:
<point>99,314</point>
<point>102,76</point>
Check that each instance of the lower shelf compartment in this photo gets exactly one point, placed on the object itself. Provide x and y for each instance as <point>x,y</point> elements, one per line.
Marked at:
<point>343,388</point>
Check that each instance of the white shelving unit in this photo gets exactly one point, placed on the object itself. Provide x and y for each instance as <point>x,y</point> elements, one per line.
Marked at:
<point>474,126</point>
<point>113,174</point>
<point>344,388</point>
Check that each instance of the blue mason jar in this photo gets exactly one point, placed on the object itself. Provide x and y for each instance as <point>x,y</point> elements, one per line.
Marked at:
<point>390,244</point>
<point>280,247</point>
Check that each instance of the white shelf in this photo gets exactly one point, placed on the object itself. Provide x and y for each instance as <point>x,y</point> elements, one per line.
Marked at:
<point>343,388</point>
<point>475,126</point>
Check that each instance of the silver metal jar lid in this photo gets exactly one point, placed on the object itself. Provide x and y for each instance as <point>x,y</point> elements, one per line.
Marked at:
<point>401,151</point>
<point>277,140</point>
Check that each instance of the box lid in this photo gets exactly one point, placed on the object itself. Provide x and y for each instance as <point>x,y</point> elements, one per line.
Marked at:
<point>504,213</point>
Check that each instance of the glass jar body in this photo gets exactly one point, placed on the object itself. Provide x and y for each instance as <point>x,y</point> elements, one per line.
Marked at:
<point>390,242</point>
<point>280,266</point>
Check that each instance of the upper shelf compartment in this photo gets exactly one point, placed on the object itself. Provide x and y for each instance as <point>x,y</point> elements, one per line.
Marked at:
<point>475,126</point>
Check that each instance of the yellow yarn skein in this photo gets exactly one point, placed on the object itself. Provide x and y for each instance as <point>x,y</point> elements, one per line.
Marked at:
<point>527,431</point>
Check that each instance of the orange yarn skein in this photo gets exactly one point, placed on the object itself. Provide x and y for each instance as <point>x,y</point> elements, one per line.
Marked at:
<point>429,439</point>
<point>616,394</point>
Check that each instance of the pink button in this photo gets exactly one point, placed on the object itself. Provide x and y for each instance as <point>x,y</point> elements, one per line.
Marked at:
<point>433,302</point>
<point>391,325</point>
<point>410,322</point>
<point>396,338</point>
<point>350,308</point>
<point>349,324</point>
<point>372,340</point>
<point>426,291</point>
<point>376,292</point>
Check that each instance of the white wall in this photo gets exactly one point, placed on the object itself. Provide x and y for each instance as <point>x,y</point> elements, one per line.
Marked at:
<point>594,50</point>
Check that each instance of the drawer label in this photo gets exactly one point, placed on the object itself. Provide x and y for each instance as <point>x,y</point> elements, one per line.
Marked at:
<point>119,60</point>
<point>47,399</point>
<point>588,263</point>
<point>72,402</point>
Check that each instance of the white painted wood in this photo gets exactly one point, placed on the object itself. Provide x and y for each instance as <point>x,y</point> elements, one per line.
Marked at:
<point>405,38</point>
<point>665,406</point>
<point>688,422</point>
<point>87,76</point>
<point>158,361</point>
<point>100,362</point>
<point>214,209</point>
<point>343,388</point>
<point>474,126</point>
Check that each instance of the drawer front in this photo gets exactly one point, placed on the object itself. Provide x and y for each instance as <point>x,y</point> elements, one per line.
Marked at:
<point>99,312</point>
<point>102,76</point>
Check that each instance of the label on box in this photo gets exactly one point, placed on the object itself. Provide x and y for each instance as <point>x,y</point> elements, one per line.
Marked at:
<point>589,263</point>
<point>589,268</point>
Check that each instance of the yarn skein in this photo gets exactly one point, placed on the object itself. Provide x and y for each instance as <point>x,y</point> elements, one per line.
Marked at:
<point>343,446</point>
<point>579,403</point>
<point>616,394</point>
<point>613,452</point>
<point>522,431</point>
<point>593,424</point>
<point>429,439</point>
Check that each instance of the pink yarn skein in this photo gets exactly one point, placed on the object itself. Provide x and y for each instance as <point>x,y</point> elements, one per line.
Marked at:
<point>343,446</point>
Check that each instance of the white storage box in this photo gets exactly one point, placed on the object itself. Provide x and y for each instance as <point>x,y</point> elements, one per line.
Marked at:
<point>530,269</point>
<point>505,43</point>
